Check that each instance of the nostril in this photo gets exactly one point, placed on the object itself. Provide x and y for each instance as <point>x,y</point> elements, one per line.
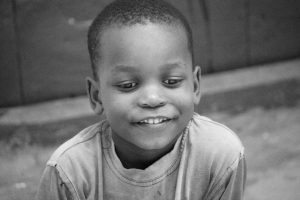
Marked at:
<point>153,103</point>
<point>151,97</point>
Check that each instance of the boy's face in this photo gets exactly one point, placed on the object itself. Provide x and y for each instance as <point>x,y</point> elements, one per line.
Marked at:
<point>147,86</point>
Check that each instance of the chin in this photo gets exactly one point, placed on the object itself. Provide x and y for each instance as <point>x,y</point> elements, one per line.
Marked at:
<point>153,146</point>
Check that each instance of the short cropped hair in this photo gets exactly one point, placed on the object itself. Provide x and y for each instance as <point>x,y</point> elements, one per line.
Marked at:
<point>132,12</point>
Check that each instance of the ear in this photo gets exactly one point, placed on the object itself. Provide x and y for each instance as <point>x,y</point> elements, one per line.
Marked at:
<point>197,90</point>
<point>93,91</point>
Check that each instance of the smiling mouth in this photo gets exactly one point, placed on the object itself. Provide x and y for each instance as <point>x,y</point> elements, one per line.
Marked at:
<point>154,120</point>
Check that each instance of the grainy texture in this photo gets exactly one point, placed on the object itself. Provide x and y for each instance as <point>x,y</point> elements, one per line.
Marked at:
<point>47,57</point>
<point>10,81</point>
<point>274,29</point>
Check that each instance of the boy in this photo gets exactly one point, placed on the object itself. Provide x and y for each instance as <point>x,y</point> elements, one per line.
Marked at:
<point>151,144</point>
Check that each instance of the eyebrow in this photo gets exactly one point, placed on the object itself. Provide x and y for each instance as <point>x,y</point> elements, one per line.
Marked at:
<point>123,68</point>
<point>167,67</point>
<point>175,65</point>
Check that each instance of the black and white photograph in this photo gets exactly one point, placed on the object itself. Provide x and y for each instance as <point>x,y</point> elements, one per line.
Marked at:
<point>149,100</point>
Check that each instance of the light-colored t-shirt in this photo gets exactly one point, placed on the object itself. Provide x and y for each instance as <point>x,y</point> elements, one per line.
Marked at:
<point>207,162</point>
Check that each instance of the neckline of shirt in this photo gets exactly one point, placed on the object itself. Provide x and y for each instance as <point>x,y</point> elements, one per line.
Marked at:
<point>138,177</point>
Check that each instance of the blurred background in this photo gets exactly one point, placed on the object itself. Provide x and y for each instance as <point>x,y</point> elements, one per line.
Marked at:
<point>249,51</point>
<point>44,53</point>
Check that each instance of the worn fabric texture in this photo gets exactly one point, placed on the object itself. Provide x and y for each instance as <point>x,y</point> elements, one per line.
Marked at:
<point>207,162</point>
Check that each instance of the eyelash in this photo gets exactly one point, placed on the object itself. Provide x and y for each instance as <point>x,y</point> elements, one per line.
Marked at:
<point>129,86</point>
<point>172,82</point>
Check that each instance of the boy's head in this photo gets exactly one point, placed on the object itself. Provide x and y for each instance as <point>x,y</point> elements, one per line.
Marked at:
<point>146,84</point>
<point>124,13</point>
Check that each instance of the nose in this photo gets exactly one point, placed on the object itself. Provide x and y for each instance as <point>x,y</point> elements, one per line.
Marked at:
<point>152,97</point>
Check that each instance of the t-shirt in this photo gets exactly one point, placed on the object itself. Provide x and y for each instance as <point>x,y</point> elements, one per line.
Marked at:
<point>207,162</point>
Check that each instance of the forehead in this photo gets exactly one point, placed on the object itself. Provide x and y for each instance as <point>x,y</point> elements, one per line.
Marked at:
<point>140,44</point>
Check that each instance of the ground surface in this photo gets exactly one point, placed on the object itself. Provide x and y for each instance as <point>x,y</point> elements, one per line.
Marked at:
<point>271,138</point>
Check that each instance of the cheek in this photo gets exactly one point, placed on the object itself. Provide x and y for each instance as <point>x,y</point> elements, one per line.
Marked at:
<point>115,104</point>
<point>184,96</point>
<point>184,101</point>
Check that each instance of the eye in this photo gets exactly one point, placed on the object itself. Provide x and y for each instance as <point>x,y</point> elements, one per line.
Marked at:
<point>172,82</point>
<point>127,86</point>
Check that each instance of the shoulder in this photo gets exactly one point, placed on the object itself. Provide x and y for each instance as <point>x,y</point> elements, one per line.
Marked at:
<point>211,154</point>
<point>209,132</point>
<point>77,160</point>
<point>71,165</point>
<point>78,150</point>
<point>215,142</point>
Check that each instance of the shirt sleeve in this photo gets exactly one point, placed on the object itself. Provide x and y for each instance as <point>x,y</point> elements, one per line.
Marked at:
<point>234,185</point>
<point>52,187</point>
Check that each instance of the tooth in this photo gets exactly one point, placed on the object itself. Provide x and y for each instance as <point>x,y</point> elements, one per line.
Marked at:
<point>154,120</point>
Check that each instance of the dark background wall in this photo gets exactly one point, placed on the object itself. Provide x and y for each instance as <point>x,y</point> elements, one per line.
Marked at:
<point>43,52</point>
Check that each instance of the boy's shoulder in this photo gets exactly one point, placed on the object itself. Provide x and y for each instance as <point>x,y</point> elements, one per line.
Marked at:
<point>211,128</point>
<point>214,141</point>
<point>79,147</point>
<point>209,131</point>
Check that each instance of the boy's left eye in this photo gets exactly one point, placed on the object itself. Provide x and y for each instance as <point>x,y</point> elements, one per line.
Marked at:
<point>172,82</point>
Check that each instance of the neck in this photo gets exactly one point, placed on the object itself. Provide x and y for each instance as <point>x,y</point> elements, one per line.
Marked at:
<point>132,156</point>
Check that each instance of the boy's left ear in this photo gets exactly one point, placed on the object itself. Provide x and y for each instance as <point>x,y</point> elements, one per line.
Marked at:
<point>197,78</point>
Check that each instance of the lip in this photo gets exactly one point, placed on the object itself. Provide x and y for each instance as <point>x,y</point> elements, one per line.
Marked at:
<point>154,120</point>
<point>154,127</point>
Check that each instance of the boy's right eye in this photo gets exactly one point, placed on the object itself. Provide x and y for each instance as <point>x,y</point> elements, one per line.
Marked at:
<point>127,86</point>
